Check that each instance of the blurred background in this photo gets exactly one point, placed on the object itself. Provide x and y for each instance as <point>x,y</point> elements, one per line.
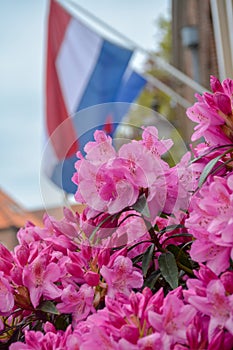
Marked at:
<point>180,44</point>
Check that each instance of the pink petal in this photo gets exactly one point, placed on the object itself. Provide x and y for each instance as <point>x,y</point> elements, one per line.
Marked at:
<point>51,291</point>
<point>52,273</point>
<point>35,294</point>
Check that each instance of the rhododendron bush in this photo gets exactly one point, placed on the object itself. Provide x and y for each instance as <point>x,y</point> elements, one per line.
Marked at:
<point>148,263</point>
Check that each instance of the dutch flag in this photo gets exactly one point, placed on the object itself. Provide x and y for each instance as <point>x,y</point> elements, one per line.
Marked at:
<point>83,70</point>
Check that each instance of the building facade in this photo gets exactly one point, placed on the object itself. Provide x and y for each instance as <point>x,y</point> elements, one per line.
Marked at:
<point>202,45</point>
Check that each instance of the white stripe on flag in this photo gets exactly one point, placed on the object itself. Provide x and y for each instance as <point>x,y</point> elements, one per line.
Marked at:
<point>76,60</point>
<point>50,159</point>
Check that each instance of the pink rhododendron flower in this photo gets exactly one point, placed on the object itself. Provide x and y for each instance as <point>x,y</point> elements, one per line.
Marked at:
<point>143,167</point>
<point>213,113</point>
<point>216,304</point>
<point>196,333</point>
<point>218,202</point>
<point>152,341</point>
<point>28,234</point>
<point>221,340</point>
<point>227,281</point>
<point>171,320</point>
<point>59,234</point>
<point>52,340</point>
<point>104,189</point>
<point>84,266</point>
<point>78,303</point>
<point>98,186</point>
<point>215,295</point>
<point>22,254</point>
<point>121,277</point>
<point>6,260</point>
<point>180,184</point>
<point>39,278</point>
<point>150,139</point>
<point>98,338</point>
<point>211,224</point>
<point>33,342</point>
<point>101,150</point>
<point>6,295</point>
<point>69,226</point>
<point>216,256</point>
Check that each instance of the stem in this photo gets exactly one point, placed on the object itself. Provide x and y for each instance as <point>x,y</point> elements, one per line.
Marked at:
<point>154,237</point>
<point>209,151</point>
<point>185,268</point>
<point>128,216</point>
<point>178,235</point>
<point>138,243</point>
<point>221,165</point>
<point>99,226</point>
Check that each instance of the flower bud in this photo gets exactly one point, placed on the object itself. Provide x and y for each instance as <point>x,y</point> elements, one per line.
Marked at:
<point>215,84</point>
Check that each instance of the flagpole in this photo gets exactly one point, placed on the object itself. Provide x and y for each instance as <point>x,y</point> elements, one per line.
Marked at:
<point>167,90</point>
<point>158,60</point>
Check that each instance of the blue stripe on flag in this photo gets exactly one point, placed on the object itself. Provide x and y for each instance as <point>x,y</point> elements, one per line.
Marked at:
<point>106,76</point>
<point>131,87</point>
<point>62,174</point>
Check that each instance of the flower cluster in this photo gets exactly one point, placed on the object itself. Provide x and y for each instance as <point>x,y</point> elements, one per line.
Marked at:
<point>148,263</point>
<point>213,113</point>
<point>211,223</point>
<point>110,181</point>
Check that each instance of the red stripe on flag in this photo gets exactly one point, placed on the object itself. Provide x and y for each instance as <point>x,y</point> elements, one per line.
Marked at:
<point>64,139</point>
<point>108,125</point>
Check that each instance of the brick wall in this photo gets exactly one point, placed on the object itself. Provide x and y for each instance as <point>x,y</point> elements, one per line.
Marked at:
<point>192,13</point>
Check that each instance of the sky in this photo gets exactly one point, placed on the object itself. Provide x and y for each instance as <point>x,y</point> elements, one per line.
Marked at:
<point>22,79</point>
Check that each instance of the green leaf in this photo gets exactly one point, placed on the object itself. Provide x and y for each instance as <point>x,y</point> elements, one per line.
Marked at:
<point>62,322</point>
<point>210,166</point>
<point>168,268</point>
<point>141,206</point>
<point>147,258</point>
<point>48,307</point>
<point>207,169</point>
<point>223,164</point>
<point>151,280</point>
<point>137,258</point>
<point>163,215</point>
<point>180,255</point>
<point>170,228</point>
